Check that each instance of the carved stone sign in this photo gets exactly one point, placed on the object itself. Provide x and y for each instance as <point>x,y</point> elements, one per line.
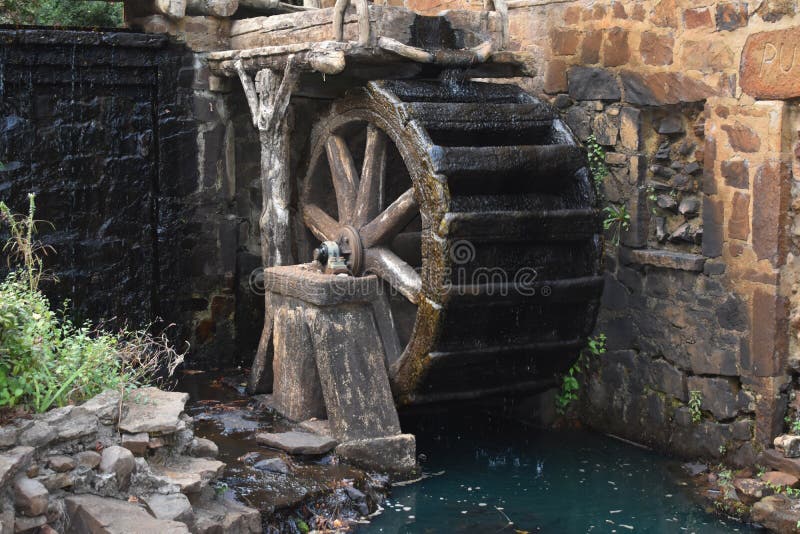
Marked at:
<point>771,64</point>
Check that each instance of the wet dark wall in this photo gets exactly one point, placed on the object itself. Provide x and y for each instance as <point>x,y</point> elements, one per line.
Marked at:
<point>100,127</point>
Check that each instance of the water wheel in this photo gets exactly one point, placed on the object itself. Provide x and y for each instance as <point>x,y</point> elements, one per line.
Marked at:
<point>473,204</point>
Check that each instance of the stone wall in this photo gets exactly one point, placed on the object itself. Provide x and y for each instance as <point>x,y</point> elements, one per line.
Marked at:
<point>131,164</point>
<point>698,293</point>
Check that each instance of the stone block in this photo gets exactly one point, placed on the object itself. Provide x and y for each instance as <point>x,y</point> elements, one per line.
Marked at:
<point>272,465</point>
<point>395,453</point>
<point>660,88</point>
<point>30,496</point>
<point>564,42</point>
<point>555,77</point>
<point>742,138</point>
<point>736,173</point>
<point>191,475</point>
<point>718,396</point>
<point>769,340</point>
<point>739,222</point>
<point>771,191</point>
<point>668,259</point>
<point>588,83</point>
<point>776,460</point>
<point>606,129</point>
<point>616,51</point>
<point>225,515</point>
<point>731,15</point>
<point>656,49</point>
<point>590,47</point>
<point>707,56</point>
<point>30,524</point>
<point>699,17</point>
<point>630,129</point>
<point>713,219</point>
<point>297,392</point>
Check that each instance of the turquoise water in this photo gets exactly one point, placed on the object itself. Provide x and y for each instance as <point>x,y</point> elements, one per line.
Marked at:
<point>487,478</point>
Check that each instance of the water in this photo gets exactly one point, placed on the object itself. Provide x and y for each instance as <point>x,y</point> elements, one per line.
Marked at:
<point>548,482</point>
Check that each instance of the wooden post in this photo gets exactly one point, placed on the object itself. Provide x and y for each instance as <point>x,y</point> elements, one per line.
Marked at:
<point>268,97</point>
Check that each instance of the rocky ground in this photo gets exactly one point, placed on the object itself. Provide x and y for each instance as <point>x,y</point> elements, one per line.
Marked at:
<point>767,494</point>
<point>136,465</point>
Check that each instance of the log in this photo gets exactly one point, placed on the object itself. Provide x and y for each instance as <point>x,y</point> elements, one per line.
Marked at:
<point>213,8</point>
<point>327,58</point>
<point>268,97</point>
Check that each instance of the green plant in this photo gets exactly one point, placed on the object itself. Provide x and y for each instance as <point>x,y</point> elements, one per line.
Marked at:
<point>723,449</point>
<point>652,197</point>
<point>597,161</point>
<point>570,386</point>
<point>793,424</point>
<point>617,220</point>
<point>45,359</point>
<point>59,13</point>
<point>695,403</point>
<point>302,526</point>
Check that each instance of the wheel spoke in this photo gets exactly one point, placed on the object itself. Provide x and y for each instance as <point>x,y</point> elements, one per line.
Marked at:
<point>345,176</point>
<point>370,188</point>
<point>401,276</point>
<point>391,222</point>
<point>322,225</point>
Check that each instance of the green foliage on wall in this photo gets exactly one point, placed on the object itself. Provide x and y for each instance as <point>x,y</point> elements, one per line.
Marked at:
<point>88,13</point>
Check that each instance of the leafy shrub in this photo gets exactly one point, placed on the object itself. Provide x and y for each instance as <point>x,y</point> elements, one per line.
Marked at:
<point>45,359</point>
<point>89,13</point>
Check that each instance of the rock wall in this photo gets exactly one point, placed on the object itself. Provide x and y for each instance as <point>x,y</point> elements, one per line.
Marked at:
<point>700,130</point>
<point>130,463</point>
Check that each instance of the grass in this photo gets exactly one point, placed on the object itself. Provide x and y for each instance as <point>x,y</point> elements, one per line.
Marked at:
<point>48,361</point>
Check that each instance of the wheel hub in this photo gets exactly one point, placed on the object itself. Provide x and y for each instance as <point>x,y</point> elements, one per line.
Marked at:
<point>349,242</point>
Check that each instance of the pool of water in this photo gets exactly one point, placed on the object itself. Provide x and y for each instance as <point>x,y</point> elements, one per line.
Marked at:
<point>493,478</point>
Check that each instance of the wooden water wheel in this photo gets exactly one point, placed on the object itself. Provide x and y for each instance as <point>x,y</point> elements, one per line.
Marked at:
<point>473,204</point>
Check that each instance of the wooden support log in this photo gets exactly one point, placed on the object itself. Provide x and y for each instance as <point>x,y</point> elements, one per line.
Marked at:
<point>213,8</point>
<point>268,97</point>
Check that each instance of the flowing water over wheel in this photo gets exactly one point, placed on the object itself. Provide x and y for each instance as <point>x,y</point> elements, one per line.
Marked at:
<point>472,202</point>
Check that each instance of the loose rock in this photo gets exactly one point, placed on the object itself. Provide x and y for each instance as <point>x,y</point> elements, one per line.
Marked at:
<point>30,496</point>
<point>120,461</point>
<point>272,465</point>
<point>12,461</point>
<point>297,442</point>
<point>28,524</point>
<point>776,513</point>
<point>204,448</point>
<point>779,478</point>
<point>751,490</point>
<point>61,464</point>
<point>88,459</point>
<point>788,445</point>
<point>136,443</point>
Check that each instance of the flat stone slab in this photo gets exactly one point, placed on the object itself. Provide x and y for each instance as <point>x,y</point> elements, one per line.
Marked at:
<point>297,442</point>
<point>90,514</point>
<point>172,507</point>
<point>224,515</point>
<point>779,478</point>
<point>190,474</point>
<point>153,410</point>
